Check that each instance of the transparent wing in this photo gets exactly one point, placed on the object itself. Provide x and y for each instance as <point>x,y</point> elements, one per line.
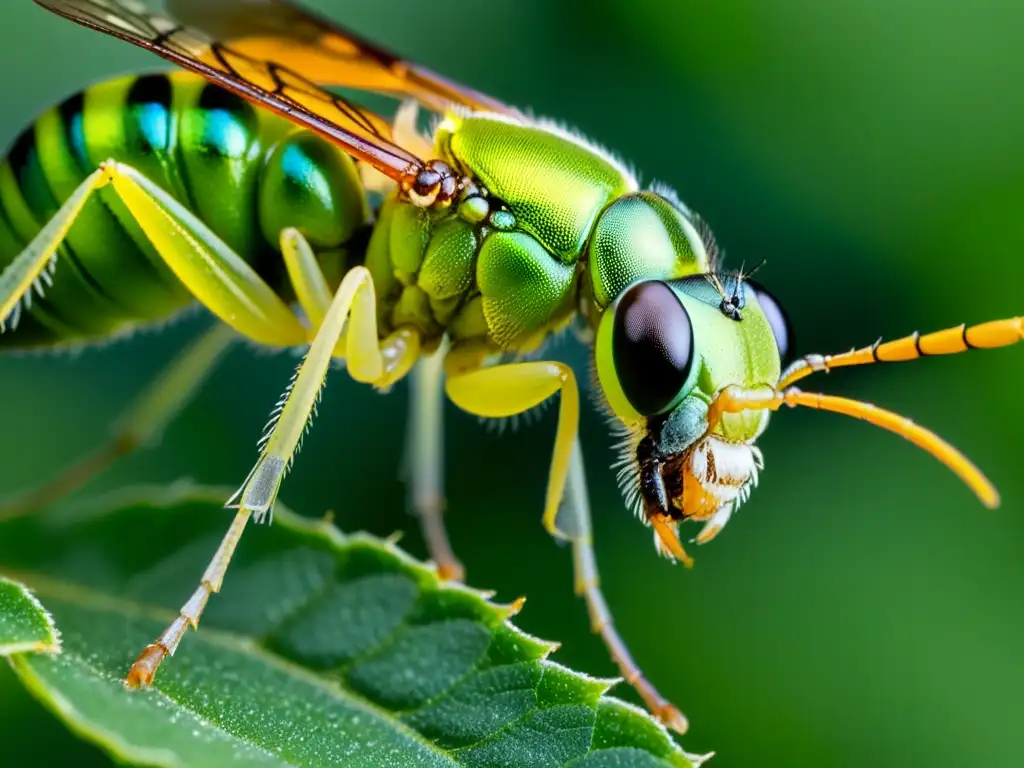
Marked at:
<point>325,52</point>
<point>360,132</point>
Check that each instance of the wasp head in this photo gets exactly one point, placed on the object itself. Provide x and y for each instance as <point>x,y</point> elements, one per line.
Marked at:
<point>664,350</point>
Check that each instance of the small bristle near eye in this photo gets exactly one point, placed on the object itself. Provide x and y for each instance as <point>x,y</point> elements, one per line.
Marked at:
<point>627,469</point>
<point>710,244</point>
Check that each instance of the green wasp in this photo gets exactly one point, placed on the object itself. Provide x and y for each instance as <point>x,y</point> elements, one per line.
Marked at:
<point>299,219</point>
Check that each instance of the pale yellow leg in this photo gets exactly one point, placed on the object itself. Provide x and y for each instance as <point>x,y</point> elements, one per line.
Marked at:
<point>306,277</point>
<point>369,360</point>
<point>218,277</point>
<point>425,462</point>
<point>145,667</point>
<point>142,424</point>
<point>510,389</point>
<point>574,520</point>
<point>506,390</point>
<point>31,268</point>
<point>399,351</point>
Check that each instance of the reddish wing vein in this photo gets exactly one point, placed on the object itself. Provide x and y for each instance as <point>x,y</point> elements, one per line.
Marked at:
<point>326,52</point>
<point>360,132</point>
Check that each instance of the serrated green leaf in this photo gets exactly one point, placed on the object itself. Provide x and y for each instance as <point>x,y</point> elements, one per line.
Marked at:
<point>25,626</point>
<point>322,649</point>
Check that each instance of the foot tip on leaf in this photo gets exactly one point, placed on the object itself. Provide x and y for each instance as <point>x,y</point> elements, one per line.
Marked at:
<point>453,571</point>
<point>674,720</point>
<point>144,669</point>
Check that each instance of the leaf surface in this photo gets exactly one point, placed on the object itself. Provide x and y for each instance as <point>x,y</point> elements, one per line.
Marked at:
<point>321,650</point>
<point>25,626</point>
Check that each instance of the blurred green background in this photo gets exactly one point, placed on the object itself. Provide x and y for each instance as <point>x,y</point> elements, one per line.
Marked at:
<point>863,609</point>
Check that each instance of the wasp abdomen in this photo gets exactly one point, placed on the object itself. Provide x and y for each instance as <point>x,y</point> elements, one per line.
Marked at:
<point>243,172</point>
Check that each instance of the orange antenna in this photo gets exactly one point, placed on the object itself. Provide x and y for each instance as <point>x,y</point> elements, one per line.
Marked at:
<point>734,399</point>
<point>951,341</point>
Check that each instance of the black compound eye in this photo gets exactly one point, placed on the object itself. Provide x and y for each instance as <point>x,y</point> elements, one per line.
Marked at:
<point>777,319</point>
<point>652,346</point>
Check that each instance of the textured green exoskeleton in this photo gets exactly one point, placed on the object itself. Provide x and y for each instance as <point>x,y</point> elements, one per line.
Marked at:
<point>299,218</point>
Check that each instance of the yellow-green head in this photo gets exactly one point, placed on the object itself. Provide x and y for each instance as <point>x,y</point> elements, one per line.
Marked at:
<point>664,350</point>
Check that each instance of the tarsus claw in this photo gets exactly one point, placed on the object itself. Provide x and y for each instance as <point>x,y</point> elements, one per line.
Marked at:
<point>144,669</point>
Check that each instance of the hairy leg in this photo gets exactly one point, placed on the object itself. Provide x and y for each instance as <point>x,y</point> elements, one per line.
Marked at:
<point>574,520</point>
<point>352,313</point>
<point>510,389</point>
<point>226,285</point>
<point>218,277</point>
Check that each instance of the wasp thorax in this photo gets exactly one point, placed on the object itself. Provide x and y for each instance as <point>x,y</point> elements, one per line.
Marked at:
<point>642,236</point>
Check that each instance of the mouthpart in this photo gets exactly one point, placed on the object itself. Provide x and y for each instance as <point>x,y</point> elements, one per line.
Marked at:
<point>706,483</point>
